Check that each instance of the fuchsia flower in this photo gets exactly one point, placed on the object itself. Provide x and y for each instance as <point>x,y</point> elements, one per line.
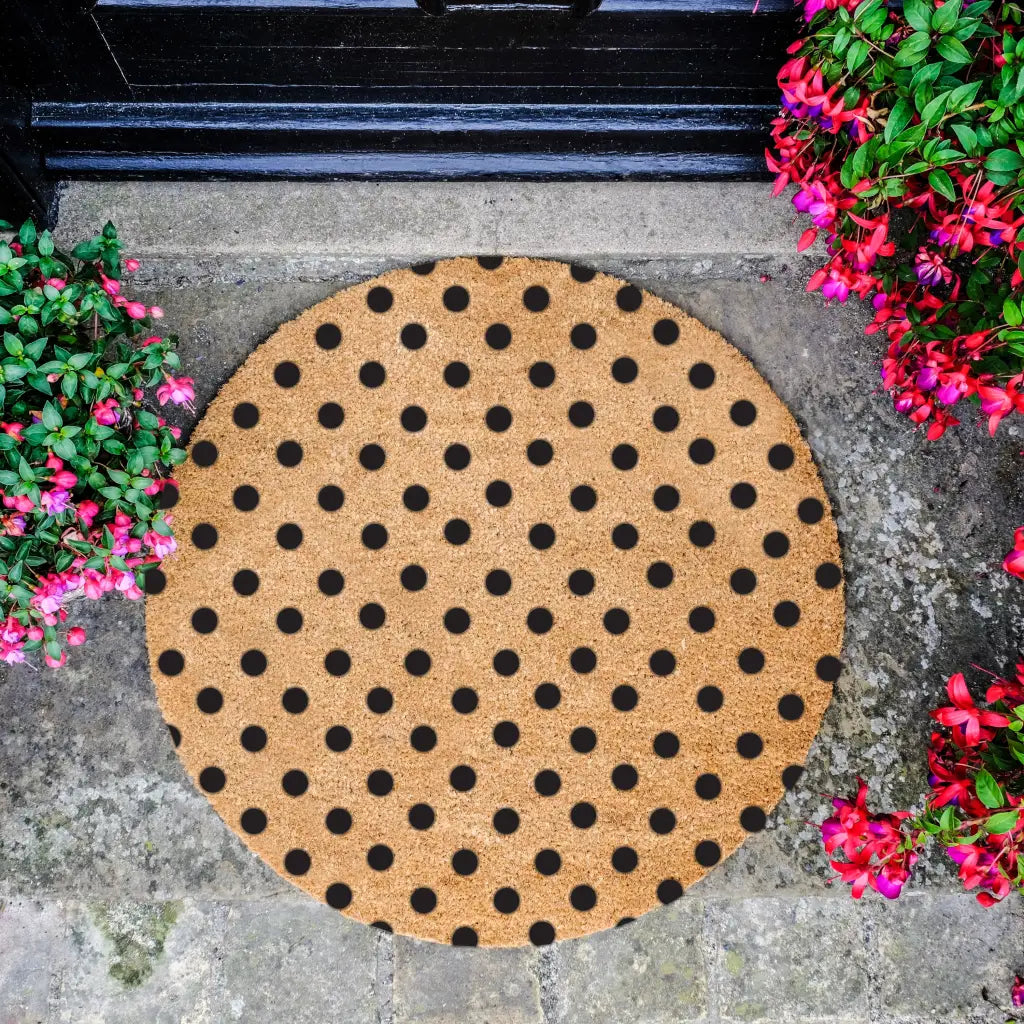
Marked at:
<point>136,310</point>
<point>178,391</point>
<point>105,412</point>
<point>131,265</point>
<point>110,285</point>
<point>1017,991</point>
<point>87,511</point>
<point>55,501</point>
<point>964,716</point>
<point>76,636</point>
<point>57,282</point>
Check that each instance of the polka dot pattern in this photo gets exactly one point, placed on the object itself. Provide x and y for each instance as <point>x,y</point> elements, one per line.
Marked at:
<point>508,602</point>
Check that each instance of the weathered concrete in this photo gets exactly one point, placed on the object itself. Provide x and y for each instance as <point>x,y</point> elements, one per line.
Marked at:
<point>101,832</point>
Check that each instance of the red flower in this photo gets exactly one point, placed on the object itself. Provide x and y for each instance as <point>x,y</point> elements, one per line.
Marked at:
<point>966,720</point>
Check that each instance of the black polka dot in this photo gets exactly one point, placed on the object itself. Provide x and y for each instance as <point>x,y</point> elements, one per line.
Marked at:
<point>457,456</point>
<point>423,738</point>
<point>780,456</point>
<point>743,413</point>
<point>330,498</point>
<point>828,668</point>
<point>662,821</point>
<point>490,262</point>
<point>786,613</point>
<point>583,498</point>
<point>702,619</point>
<point>204,536</point>
<point>708,786</point>
<point>380,782</point>
<point>583,336</point>
<point>506,901</point>
<point>330,582</point>
<point>372,456</point>
<point>289,536</point>
<point>416,498</point>
<point>660,575</point>
<point>338,821</point>
<point>246,415</point>
<point>295,782</point>
<point>548,862</point>
<point>245,582</point>
<point>665,418</point>
<point>209,700</point>
<point>749,745</point>
<point>245,498</point>
<point>583,660</point>
<point>624,777</point>
<point>776,544</point>
<point>625,859</point>
<point>702,375</point>
<point>204,453</point>
<point>289,453</point>
<point>710,698</point>
<point>465,936</point>
<point>380,857</point>
<point>465,862</point>
<point>506,663</point>
<point>382,926</point>
<point>498,582</point>
<point>413,336</point>
<point>624,697</point>
<point>498,336</point>
<point>421,816</point>
<point>374,536</point>
<point>204,620</point>
<point>547,782</point>
<point>498,493</point>
<point>456,620</point>
<point>629,298</point>
<point>423,900</point>
<point>583,739</point>
<point>413,418</point>
<point>583,897</point>
<point>753,819</point>
<point>330,415</point>
<point>380,299</point>
<point>253,738</point>
<point>372,374</point>
<point>625,536</point>
<point>539,452</point>
<point>338,738</point>
<point>539,620</point>
<point>536,298</point>
<point>542,536</point>
<point>616,621</point>
<point>666,498</point>
<point>295,700</point>
<point>254,663</point>
<point>743,495</point>
<point>625,370</point>
<point>624,456</point>
<point>581,414</point>
<point>702,451</point>
<point>462,778</point>
<point>456,375</point>
<point>743,581</point>
<point>337,662</point>
<point>581,274</point>
<point>810,511</point>
<point>498,418</point>
<point>338,895</point>
<point>417,662</point>
<point>583,814</point>
<point>542,933</point>
<point>380,700</point>
<point>286,374</point>
<point>791,775</point>
<point>581,582</point>
<point>666,332</point>
<point>253,821</point>
<point>542,375</point>
<point>662,662</point>
<point>424,269</point>
<point>707,853</point>
<point>328,336</point>
<point>506,821</point>
<point>455,298</point>
<point>413,577</point>
<point>666,744</point>
<point>153,581</point>
<point>669,890</point>
<point>506,734</point>
<point>547,696</point>
<point>828,575</point>
<point>750,660</point>
<point>456,531</point>
<point>465,700</point>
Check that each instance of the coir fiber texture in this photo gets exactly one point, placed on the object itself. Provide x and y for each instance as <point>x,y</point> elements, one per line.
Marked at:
<point>508,602</point>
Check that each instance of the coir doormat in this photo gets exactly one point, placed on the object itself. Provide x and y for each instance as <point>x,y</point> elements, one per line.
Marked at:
<point>508,602</point>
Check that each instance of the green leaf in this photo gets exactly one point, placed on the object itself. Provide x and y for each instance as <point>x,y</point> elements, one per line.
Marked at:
<point>45,244</point>
<point>1011,313</point>
<point>86,250</point>
<point>934,109</point>
<point>1001,823</point>
<point>945,17</point>
<point>899,118</point>
<point>27,234</point>
<point>941,182</point>
<point>912,50</point>
<point>52,418</point>
<point>953,50</point>
<point>65,448</point>
<point>917,13</point>
<point>968,138</point>
<point>1004,160</point>
<point>988,789</point>
<point>856,54</point>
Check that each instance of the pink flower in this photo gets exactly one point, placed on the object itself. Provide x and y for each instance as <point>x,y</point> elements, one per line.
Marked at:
<point>56,662</point>
<point>131,265</point>
<point>1017,991</point>
<point>156,312</point>
<point>21,502</point>
<point>104,412</point>
<point>153,339</point>
<point>76,636</point>
<point>64,479</point>
<point>179,391</point>
<point>160,545</point>
<point>973,723</point>
<point>110,285</point>
<point>57,282</point>
<point>136,310</point>
<point>87,512</point>
<point>14,429</point>
<point>55,501</point>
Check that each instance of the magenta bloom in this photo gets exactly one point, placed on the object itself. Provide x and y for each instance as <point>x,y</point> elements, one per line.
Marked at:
<point>55,501</point>
<point>180,391</point>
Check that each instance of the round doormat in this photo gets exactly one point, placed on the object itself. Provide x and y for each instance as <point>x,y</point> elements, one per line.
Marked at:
<point>508,602</point>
